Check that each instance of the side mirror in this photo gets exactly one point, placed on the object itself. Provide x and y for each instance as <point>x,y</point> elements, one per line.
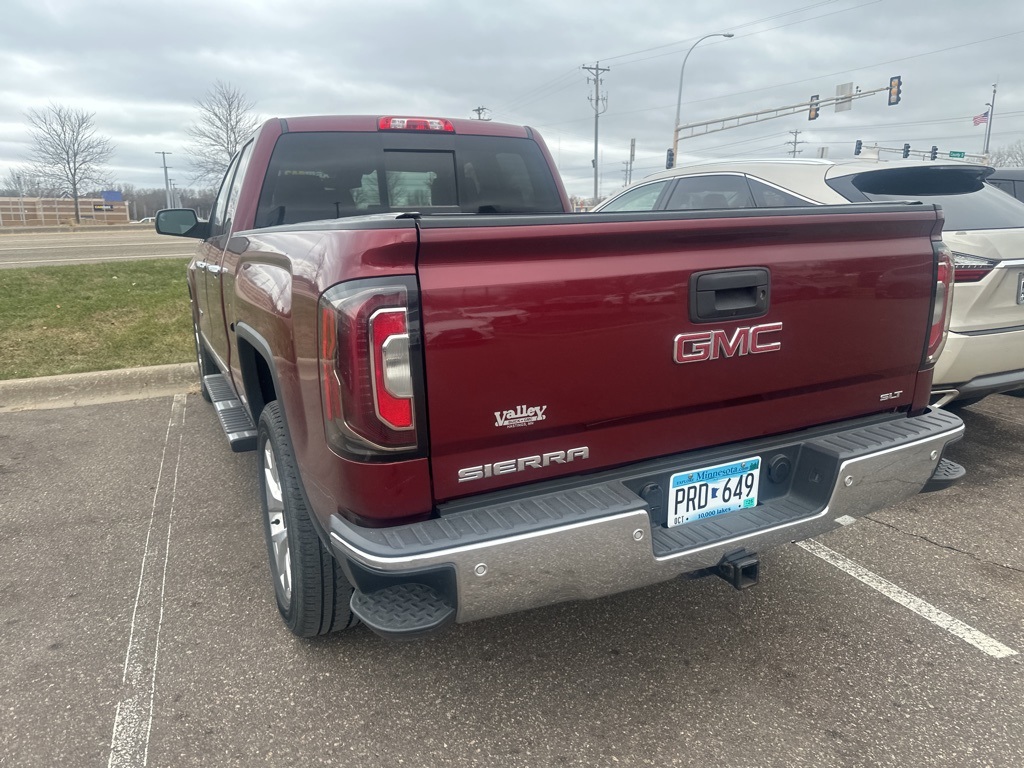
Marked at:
<point>181,222</point>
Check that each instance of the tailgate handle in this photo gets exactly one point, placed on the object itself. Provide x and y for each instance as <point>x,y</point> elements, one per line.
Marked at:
<point>729,294</point>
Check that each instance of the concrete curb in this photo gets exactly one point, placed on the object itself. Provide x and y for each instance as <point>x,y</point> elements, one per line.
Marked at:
<point>74,389</point>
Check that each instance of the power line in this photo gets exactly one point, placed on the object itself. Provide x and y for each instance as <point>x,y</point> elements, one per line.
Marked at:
<point>721,97</point>
<point>738,26</point>
<point>522,99</point>
<point>856,69</point>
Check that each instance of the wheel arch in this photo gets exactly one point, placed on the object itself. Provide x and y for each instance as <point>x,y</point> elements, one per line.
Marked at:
<point>260,382</point>
<point>261,385</point>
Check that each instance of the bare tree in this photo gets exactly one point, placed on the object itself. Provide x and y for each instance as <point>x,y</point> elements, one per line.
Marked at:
<point>226,119</point>
<point>20,181</point>
<point>1010,155</point>
<point>67,155</point>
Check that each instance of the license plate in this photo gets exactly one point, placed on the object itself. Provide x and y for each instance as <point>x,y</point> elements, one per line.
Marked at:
<point>712,491</point>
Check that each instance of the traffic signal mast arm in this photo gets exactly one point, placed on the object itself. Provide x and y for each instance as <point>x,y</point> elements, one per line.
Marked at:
<point>768,114</point>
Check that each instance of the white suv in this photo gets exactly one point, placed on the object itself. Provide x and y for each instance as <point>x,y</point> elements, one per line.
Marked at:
<point>984,228</point>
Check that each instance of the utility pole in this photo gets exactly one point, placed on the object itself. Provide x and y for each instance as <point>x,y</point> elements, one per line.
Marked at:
<point>794,151</point>
<point>991,114</point>
<point>600,104</point>
<point>167,183</point>
<point>632,157</point>
<point>480,113</point>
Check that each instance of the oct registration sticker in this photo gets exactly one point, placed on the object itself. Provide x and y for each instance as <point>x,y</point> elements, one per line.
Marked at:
<point>712,491</point>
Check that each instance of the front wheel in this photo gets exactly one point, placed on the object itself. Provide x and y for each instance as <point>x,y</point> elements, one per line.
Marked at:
<point>312,592</point>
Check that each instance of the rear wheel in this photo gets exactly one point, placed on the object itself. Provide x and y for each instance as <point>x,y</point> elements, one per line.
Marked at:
<point>312,592</point>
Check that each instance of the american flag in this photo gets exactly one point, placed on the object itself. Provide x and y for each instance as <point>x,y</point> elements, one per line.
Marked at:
<point>980,119</point>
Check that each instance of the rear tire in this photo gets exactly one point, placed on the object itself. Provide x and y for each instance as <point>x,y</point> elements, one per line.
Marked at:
<point>312,593</point>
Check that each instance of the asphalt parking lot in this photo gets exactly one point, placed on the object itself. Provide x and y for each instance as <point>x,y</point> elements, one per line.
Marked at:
<point>139,628</point>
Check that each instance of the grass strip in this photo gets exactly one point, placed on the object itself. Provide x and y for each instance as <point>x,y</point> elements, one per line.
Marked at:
<point>93,317</point>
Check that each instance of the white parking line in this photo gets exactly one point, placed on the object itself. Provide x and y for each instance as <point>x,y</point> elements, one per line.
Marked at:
<point>967,633</point>
<point>133,719</point>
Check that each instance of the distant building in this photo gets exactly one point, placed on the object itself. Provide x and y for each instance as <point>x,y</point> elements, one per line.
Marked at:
<point>52,211</point>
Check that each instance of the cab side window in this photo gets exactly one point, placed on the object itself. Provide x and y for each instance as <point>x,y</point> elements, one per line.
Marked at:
<point>236,187</point>
<point>220,204</point>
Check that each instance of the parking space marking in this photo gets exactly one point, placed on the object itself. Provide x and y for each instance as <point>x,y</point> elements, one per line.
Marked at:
<point>965,632</point>
<point>133,718</point>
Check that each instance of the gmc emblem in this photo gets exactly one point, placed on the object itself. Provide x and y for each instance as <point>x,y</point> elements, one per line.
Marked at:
<point>711,345</point>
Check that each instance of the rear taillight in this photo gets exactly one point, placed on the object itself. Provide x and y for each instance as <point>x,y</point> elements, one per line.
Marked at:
<point>368,343</point>
<point>415,124</point>
<point>971,269</point>
<point>943,302</point>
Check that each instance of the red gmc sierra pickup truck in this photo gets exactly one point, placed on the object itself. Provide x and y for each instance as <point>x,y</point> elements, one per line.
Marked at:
<point>467,401</point>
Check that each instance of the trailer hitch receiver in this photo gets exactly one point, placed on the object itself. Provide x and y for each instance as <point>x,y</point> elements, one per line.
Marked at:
<point>740,568</point>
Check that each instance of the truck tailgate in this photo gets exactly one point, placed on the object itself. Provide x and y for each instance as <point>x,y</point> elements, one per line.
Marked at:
<point>566,344</point>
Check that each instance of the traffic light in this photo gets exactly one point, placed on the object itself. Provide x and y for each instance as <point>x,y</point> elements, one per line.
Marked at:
<point>670,158</point>
<point>934,153</point>
<point>812,112</point>
<point>858,147</point>
<point>906,150</point>
<point>895,90</point>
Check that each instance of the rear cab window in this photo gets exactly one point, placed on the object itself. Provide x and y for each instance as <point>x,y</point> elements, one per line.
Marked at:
<point>329,175</point>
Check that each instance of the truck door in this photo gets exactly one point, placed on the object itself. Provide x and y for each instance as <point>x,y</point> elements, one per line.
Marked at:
<point>211,311</point>
<point>214,270</point>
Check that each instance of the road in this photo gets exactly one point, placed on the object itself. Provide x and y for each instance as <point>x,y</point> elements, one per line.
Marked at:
<point>138,627</point>
<point>89,246</point>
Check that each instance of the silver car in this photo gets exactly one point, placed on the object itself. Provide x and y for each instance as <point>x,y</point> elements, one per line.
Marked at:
<point>984,228</point>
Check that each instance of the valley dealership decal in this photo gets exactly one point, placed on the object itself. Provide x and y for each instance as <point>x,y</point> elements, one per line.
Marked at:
<point>523,416</point>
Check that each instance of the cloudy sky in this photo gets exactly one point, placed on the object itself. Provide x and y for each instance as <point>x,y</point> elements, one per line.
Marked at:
<point>139,66</point>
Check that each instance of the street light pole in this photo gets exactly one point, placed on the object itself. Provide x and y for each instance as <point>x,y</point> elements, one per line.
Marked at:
<point>991,114</point>
<point>167,183</point>
<point>679,98</point>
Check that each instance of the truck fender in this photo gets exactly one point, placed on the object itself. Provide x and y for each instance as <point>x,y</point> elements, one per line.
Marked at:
<point>260,381</point>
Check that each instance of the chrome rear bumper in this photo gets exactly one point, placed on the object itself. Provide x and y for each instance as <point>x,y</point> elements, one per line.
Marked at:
<point>541,549</point>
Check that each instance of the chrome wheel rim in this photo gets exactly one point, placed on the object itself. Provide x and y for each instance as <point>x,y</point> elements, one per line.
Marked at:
<point>276,526</point>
